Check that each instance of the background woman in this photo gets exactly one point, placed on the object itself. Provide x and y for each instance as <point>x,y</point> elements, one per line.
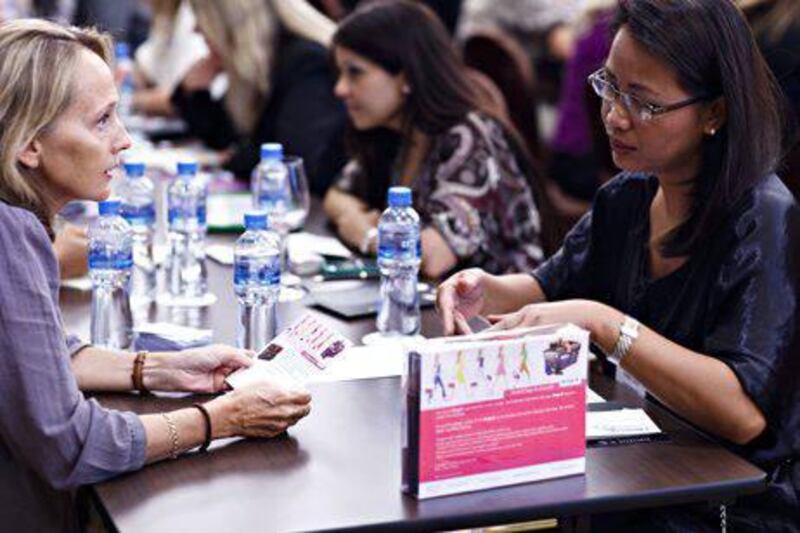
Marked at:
<point>279,89</point>
<point>415,121</point>
<point>682,271</point>
<point>60,139</point>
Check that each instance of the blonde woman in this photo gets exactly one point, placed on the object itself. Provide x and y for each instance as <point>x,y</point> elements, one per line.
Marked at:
<point>171,49</point>
<point>279,85</point>
<point>60,139</point>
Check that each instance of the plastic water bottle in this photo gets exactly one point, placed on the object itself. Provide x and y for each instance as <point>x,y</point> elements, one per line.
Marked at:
<point>187,277</point>
<point>256,279</point>
<point>137,194</point>
<point>398,261</point>
<point>124,77</point>
<point>110,260</point>
<point>271,192</point>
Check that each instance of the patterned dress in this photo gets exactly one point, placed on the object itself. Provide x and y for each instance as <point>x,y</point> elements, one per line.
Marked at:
<point>471,189</point>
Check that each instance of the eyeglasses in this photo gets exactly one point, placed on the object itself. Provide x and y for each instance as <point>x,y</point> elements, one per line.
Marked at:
<point>635,107</point>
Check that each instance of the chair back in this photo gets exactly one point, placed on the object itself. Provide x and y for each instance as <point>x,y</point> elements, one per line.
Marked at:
<point>495,53</point>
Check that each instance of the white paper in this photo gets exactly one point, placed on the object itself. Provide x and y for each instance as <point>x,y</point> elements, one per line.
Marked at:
<point>298,354</point>
<point>175,332</point>
<point>302,243</point>
<point>227,210</point>
<point>593,397</point>
<point>79,284</point>
<point>221,253</point>
<point>366,362</point>
<point>619,423</point>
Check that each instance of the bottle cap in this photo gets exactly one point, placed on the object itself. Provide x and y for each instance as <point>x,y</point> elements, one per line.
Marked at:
<point>187,167</point>
<point>399,197</point>
<point>134,169</point>
<point>122,50</point>
<point>272,151</point>
<point>109,207</point>
<point>256,220</point>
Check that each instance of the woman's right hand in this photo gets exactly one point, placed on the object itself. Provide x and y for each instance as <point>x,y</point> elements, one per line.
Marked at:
<point>461,297</point>
<point>355,225</point>
<point>263,410</point>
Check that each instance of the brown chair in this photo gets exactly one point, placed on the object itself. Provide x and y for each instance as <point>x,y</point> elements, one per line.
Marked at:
<point>495,53</point>
<point>789,172</point>
<point>489,95</point>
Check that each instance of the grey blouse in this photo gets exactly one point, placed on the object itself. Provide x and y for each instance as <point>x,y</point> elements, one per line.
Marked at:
<point>52,439</point>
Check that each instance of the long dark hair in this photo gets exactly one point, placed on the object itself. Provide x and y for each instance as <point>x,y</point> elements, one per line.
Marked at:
<point>402,36</point>
<point>711,49</point>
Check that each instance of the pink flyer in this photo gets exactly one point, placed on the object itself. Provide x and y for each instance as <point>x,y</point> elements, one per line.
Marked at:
<point>491,410</point>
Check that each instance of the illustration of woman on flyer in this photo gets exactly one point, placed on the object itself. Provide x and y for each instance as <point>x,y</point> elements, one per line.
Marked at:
<point>523,364</point>
<point>437,377</point>
<point>500,373</point>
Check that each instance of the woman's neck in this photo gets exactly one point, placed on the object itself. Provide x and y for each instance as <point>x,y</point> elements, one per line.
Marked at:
<point>415,149</point>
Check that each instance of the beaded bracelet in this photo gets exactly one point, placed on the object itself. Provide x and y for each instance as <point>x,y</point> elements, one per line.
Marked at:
<point>173,435</point>
<point>136,376</point>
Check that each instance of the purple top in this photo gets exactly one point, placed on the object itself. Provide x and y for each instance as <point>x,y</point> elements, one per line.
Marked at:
<point>573,134</point>
<point>52,439</point>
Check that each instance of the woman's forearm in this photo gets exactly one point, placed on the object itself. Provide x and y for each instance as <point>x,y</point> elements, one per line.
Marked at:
<point>98,369</point>
<point>700,388</point>
<point>507,293</point>
<point>337,204</point>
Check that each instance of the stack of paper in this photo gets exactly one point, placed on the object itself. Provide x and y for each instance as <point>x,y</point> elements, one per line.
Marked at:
<point>166,337</point>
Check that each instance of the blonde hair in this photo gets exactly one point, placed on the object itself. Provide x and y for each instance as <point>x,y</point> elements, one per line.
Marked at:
<point>37,64</point>
<point>245,33</point>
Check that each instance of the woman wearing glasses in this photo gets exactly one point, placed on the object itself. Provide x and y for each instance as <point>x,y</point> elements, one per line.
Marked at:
<point>681,270</point>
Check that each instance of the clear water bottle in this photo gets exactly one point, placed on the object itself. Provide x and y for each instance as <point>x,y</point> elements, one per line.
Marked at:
<point>137,194</point>
<point>398,260</point>
<point>110,261</point>
<point>187,277</point>
<point>256,279</point>
<point>270,182</point>
<point>123,72</point>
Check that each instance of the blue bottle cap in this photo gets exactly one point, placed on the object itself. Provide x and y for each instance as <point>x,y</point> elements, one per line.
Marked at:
<point>122,50</point>
<point>134,169</point>
<point>109,207</point>
<point>187,167</point>
<point>272,151</point>
<point>256,220</point>
<point>399,197</point>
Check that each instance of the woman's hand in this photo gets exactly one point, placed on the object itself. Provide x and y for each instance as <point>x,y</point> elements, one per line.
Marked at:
<point>354,226</point>
<point>461,297</point>
<point>202,73</point>
<point>263,410</point>
<point>195,370</point>
<point>72,251</point>
<point>590,315</point>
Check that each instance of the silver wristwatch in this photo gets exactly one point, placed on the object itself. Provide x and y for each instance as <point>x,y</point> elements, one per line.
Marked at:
<point>628,333</point>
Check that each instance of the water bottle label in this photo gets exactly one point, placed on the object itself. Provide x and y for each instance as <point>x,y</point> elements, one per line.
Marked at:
<point>272,201</point>
<point>393,244</point>
<point>179,214</point>
<point>144,215</point>
<point>101,258</point>
<point>261,273</point>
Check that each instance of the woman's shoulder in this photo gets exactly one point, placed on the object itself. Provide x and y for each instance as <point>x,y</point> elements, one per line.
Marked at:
<point>768,208</point>
<point>627,188</point>
<point>23,232</point>
<point>19,223</point>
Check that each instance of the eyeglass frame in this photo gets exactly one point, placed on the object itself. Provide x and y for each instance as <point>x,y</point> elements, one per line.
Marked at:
<point>626,98</point>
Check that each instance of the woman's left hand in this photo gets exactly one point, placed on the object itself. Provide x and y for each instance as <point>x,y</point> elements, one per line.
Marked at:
<point>588,314</point>
<point>197,369</point>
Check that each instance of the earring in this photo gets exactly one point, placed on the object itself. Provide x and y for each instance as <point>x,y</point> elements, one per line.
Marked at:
<point>712,131</point>
<point>406,89</point>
